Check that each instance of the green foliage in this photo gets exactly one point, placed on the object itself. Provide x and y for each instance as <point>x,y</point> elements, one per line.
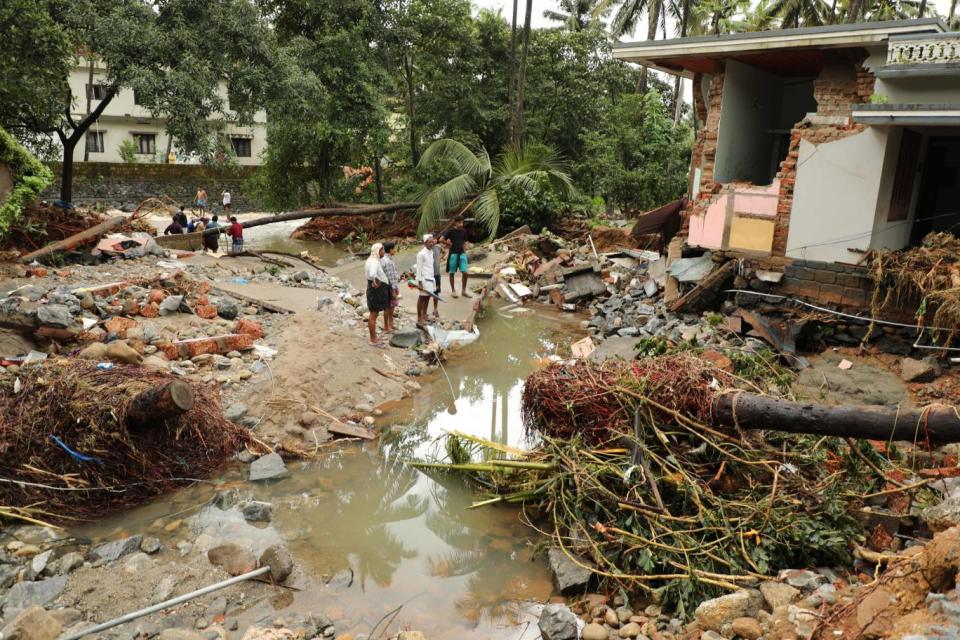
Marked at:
<point>637,159</point>
<point>30,177</point>
<point>477,184</point>
<point>762,368</point>
<point>128,151</point>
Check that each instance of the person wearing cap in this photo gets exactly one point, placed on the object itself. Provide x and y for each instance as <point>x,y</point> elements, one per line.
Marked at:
<point>425,279</point>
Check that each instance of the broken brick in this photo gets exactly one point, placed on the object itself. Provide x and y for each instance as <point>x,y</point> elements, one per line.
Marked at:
<point>131,307</point>
<point>150,310</point>
<point>37,272</point>
<point>119,325</point>
<point>942,472</point>
<point>204,288</point>
<point>200,346</point>
<point>251,328</point>
<point>157,296</point>
<point>206,311</point>
<point>203,299</point>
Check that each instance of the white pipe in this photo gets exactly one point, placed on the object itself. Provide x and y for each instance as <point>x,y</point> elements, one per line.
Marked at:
<point>168,603</point>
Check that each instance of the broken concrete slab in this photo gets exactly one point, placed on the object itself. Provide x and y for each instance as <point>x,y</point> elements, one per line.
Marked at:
<point>692,269</point>
<point>912,370</point>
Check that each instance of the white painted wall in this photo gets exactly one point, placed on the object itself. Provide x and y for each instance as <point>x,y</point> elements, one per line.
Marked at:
<point>835,201</point>
<point>122,117</point>
<point>751,106</point>
<point>914,90</point>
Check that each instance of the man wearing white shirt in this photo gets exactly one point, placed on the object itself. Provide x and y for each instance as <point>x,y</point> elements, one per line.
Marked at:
<point>227,199</point>
<point>425,279</point>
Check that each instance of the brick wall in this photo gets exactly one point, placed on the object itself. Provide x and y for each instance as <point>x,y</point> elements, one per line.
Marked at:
<point>116,185</point>
<point>842,285</point>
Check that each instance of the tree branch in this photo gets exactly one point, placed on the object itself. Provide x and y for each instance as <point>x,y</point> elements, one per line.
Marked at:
<point>66,110</point>
<point>94,115</point>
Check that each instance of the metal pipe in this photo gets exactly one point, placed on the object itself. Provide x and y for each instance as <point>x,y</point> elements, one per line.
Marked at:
<point>168,603</point>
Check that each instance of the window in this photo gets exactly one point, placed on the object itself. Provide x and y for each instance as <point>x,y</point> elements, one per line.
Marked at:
<point>136,97</point>
<point>95,141</point>
<point>146,143</point>
<point>241,147</point>
<point>907,162</point>
<point>96,91</point>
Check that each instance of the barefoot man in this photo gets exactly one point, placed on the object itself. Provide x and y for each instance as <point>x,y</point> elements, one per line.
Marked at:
<point>455,240</point>
<point>425,279</point>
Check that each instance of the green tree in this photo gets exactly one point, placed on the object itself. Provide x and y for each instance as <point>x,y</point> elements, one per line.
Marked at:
<point>477,182</point>
<point>330,97</point>
<point>173,53</point>
<point>637,159</point>
<point>577,15</point>
<point>800,13</point>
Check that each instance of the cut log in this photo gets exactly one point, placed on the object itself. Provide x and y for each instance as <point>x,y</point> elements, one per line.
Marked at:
<point>75,240</point>
<point>169,400</point>
<point>939,423</point>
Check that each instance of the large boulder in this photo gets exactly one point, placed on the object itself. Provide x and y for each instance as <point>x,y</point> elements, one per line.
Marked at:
<point>110,551</point>
<point>557,622</point>
<point>568,576</point>
<point>32,624</point>
<point>233,558</point>
<point>912,370</point>
<point>714,614</point>
<point>24,595</point>
<point>279,560</point>
<point>268,467</point>
<point>778,594</point>
<point>942,516</point>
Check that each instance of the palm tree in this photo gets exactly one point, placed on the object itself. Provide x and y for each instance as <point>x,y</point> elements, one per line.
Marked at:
<point>628,17</point>
<point>575,15</point>
<point>479,182</point>
<point>759,18</point>
<point>800,13</point>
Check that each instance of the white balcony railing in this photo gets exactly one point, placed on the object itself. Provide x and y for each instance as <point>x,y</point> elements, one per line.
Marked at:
<point>931,49</point>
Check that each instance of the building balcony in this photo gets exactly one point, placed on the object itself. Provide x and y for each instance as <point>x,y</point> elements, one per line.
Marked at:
<point>917,55</point>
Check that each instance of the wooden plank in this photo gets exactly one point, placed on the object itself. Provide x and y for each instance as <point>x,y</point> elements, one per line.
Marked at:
<point>75,240</point>
<point>707,286</point>
<point>349,430</point>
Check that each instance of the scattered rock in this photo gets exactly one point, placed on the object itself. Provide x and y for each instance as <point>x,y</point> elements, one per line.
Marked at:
<point>23,595</point>
<point>227,309</point>
<point>279,560</point>
<point>226,499</point>
<point>136,563</point>
<point>256,511</point>
<point>912,370</point>
<point>568,576</point>
<point>942,516</point>
<point>39,562</point>
<point>180,634</point>
<point>713,614</point>
<point>610,617</point>
<point>268,467</point>
<point>629,630</point>
<point>233,558</point>
<point>120,351</point>
<point>235,412</point>
<point>95,351</point>
<point>32,624</point>
<point>69,562</point>
<point>164,588</point>
<point>110,551</point>
<point>746,628</point>
<point>150,545</point>
<point>54,315</point>
<point>405,339</point>
<point>802,578</point>
<point>557,622</point>
<point>778,594</point>
<point>594,631</point>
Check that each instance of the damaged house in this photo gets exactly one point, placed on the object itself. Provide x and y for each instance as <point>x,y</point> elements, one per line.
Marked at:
<point>818,144</point>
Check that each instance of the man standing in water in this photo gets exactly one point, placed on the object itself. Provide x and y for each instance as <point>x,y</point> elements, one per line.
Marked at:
<point>425,279</point>
<point>200,200</point>
<point>456,242</point>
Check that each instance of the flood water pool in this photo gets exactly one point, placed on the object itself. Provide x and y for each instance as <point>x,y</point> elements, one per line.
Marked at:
<point>371,534</point>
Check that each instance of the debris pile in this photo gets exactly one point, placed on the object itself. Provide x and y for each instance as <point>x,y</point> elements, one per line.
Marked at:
<point>78,438</point>
<point>926,277</point>
<point>638,485</point>
<point>357,228</point>
<point>42,224</point>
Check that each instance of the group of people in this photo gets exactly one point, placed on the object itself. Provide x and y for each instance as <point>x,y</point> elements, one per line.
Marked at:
<point>383,283</point>
<point>211,241</point>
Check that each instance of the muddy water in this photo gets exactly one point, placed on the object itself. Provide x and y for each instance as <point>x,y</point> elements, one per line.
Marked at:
<point>276,237</point>
<point>371,534</point>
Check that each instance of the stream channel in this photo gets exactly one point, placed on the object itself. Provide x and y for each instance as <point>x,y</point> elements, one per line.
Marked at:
<point>369,533</point>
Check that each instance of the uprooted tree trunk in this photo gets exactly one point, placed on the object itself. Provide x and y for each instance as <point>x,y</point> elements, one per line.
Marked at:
<point>936,423</point>
<point>339,210</point>
<point>159,403</point>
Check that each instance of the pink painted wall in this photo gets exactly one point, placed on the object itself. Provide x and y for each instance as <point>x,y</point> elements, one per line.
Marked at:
<point>760,201</point>
<point>707,230</point>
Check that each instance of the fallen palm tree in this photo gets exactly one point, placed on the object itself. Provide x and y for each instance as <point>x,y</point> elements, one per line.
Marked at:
<point>633,479</point>
<point>77,440</point>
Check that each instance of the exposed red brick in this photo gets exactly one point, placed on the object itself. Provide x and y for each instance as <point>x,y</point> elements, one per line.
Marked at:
<point>249,327</point>
<point>119,325</point>
<point>206,311</point>
<point>37,272</point>
<point>203,299</point>
<point>150,310</point>
<point>157,296</point>
<point>199,346</point>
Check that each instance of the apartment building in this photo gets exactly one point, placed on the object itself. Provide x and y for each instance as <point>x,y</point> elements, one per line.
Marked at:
<point>126,120</point>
